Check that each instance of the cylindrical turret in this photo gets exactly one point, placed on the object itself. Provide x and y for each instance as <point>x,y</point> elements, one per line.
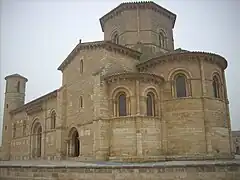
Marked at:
<point>14,98</point>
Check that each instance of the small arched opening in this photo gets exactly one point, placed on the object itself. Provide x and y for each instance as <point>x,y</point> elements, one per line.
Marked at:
<point>216,86</point>
<point>18,86</point>
<point>162,40</point>
<point>115,38</point>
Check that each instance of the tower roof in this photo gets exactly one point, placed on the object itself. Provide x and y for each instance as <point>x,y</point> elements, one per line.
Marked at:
<point>141,5</point>
<point>16,75</point>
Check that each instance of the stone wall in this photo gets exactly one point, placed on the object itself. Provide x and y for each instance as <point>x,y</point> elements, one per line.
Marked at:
<point>139,25</point>
<point>159,171</point>
<point>22,143</point>
<point>236,141</point>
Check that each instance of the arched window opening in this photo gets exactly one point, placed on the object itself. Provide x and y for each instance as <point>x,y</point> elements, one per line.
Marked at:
<point>18,86</point>
<point>180,83</point>
<point>53,120</point>
<point>81,66</point>
<point>237,150</point>
<point>161,39</point>
<point>81,102</point>
<point>37,140</point>
<point>14,130</point>
<point>115,38</point>
<point>122,104</point>
<point>150,104</point>
<point>75,144</point>
<point>24,128</point>
<point>216,87</point>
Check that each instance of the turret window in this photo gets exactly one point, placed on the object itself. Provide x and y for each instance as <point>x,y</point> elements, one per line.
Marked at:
<point>216,86</point>
<point>162,40</point>
<point>18,86</point>
<point>14,130</point>
<point>24,128</point>
<point>81,102</point>
<point>115,38</point>
<point>81,66</point>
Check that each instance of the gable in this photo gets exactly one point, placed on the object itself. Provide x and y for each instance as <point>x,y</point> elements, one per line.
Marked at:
<point>96,60</point>
<point>108,45</point>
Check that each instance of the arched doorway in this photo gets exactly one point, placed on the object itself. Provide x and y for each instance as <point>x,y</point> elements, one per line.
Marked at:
<point>74,144</point>
<point>37,140</point>
<point>237,150</point>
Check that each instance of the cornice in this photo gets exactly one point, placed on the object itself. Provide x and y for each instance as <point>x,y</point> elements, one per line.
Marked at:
<point>35,105</point>
<point>191,56</point>
<point>108,45</point>
<point>144,77</point>
<point>16,76</point>
<point>137,5</point>
<point>34,109</point>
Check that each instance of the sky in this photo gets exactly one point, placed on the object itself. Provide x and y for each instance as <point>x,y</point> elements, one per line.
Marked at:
<point>36,36</point>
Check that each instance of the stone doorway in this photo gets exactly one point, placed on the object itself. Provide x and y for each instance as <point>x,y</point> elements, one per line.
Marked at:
<point>237,150</point>
<point>74,143</point>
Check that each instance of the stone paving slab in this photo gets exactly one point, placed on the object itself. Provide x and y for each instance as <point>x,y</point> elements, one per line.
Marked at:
<point>65,163</point>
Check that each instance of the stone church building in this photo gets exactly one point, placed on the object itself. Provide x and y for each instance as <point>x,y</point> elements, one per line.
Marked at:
<point>131,97</point>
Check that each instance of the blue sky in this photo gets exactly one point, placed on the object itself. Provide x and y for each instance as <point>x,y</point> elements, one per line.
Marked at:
<point>36,36</point>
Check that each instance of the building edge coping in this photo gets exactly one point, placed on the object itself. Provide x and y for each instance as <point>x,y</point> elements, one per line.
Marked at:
<point>35,101</point>
<point>221,60</point>
<point>17,76</point>
<point>112,165</point>
<point>108,45</point>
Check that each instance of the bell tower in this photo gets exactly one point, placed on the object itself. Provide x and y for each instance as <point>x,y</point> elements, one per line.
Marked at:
<point>143,26</point>
<point>14,98</point>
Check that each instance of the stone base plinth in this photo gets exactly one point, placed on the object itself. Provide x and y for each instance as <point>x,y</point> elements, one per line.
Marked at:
<point>187,157</point>
<point>171,170</point>
<point>137,159</point>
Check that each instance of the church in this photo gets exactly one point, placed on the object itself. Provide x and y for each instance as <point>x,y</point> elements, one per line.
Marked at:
<point>131,97</point>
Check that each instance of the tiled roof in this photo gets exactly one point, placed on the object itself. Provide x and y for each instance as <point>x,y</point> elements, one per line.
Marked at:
<point>35,101</point>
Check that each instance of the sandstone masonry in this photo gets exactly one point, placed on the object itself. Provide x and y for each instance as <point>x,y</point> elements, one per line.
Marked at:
<point>64,170</point>
<point>131,97</point>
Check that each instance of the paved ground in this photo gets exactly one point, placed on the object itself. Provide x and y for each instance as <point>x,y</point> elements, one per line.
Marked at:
<point>65,163</point>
